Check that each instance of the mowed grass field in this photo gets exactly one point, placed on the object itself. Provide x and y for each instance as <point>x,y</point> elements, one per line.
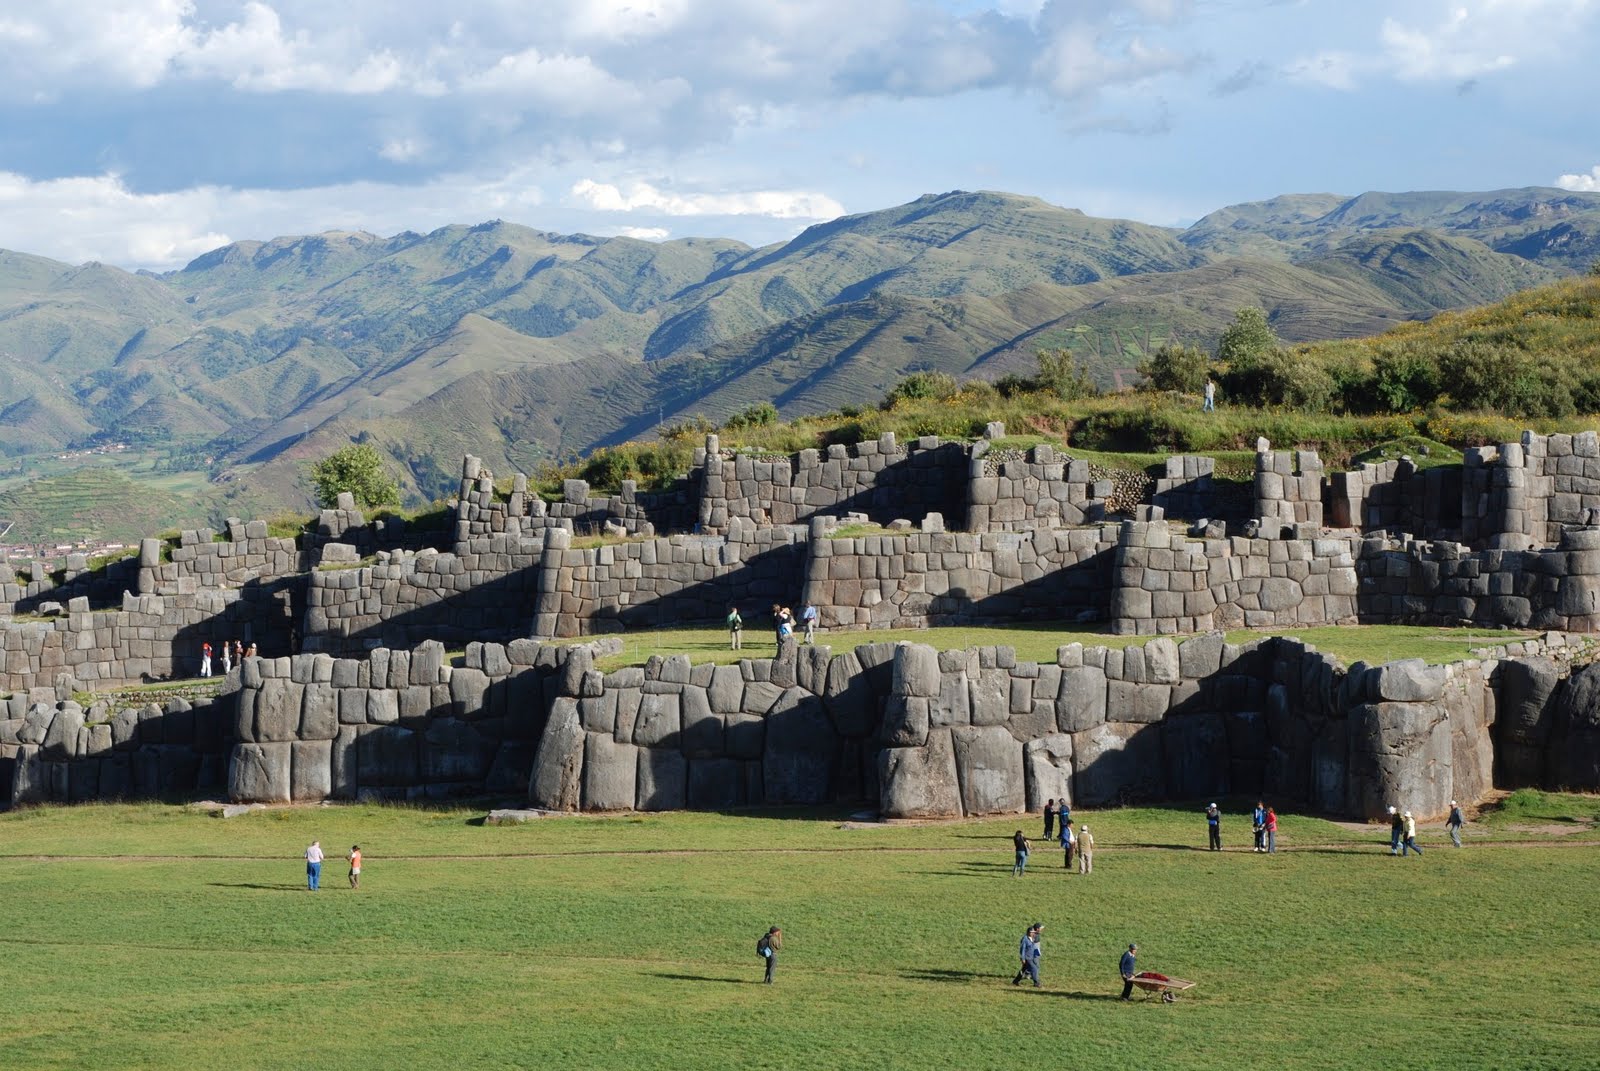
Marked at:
<point>162,937</point>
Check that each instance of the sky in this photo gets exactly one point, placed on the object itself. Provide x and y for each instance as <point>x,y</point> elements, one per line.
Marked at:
<point>143,133</point>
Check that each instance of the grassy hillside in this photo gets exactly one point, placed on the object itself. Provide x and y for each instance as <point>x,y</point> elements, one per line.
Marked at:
<point>93,503</point>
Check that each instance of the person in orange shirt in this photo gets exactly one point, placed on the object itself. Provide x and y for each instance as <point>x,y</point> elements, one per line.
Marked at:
<point>355,866</point>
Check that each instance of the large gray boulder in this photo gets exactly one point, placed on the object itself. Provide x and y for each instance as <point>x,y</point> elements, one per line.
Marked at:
<point>1082,702</point>
<point>702,729</point>
<point>386,755</point>
<point>1400,755</point>
<point>319,713</point>
<point>905,722</point>
<point>849,697</point>
<point>660,720</point>
<point>1195,751</point>
<point>663,780</point>
<point>277,707</point>
<point>989,764</point>
<point>454,751</point>
<point>556,784</point>
<point>1117,762</point>
<point>920,782</point>
<point>916,670</point>
<point>311,769</point>
<point>259,773</point>
<point>1574,757</point>
<point>1047,767</point>
<point>610,774</point>
<point>801,748</point>
<point>1525,717</point>
<point>1410,680</point>
<point>715,784</point>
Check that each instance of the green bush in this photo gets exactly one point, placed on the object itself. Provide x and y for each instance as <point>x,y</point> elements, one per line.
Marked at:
<point>1175,367</point>
<point>759,415</point>
<point>919,386</point>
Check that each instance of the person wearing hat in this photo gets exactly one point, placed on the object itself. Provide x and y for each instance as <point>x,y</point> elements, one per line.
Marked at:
<point>1397,826</point>
<point>1410,843</point>
<point>1029,952</point>
<point>1128,968</point>
<point>767,947</point>
<point>1085,850</point>
<point>1454,823</point>
<point>1214,826</point>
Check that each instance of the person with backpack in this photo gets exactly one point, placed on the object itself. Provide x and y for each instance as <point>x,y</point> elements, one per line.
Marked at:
<point>735,629</point>
<point>767,948</point>
<point>1214,827</point>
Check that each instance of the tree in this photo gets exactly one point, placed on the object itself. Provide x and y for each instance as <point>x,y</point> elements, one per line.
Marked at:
<point>1247,340</point>
<point>1176,367</point>
<point>359,469</point>
<point>919,386</point>
<point>1060,373</point>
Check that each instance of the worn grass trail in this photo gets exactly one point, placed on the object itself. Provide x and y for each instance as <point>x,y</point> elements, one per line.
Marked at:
<point>485,947</point>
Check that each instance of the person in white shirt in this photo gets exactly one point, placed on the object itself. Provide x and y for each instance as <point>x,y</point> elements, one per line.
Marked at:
<point>314,866</point>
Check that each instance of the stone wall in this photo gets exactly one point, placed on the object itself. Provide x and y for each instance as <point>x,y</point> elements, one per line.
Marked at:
<point>665,581</point>
<point>56,751</point>
<point>882,479</point>
<point>201,561</point>
<point>1288,487</point>
<point>917,579</point>
<point>1032,490</point>
<point>1397,496</point>
<point>153,637</point>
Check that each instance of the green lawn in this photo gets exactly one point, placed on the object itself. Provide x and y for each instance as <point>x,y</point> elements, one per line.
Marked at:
<point>169,938</point>
<point>1373,644</point>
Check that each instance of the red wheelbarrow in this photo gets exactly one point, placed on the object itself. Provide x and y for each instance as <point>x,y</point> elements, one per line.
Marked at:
<point>1153,983</point>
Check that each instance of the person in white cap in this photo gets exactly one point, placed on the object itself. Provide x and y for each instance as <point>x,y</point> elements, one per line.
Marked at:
<point>1397,828</point>
<point>1085,851</point>
<point>1214,826</point>
<point>1410,844</point>
<point>1454,823</point>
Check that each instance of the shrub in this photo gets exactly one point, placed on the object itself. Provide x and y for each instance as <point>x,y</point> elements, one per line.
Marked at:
<point>1061,375</point>
<point>1175,367</point>
<point>759,415</point>
<point>921,385</point>
<point>358,469</point>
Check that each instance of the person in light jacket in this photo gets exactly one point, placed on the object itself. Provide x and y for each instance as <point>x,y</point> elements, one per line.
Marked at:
<point>1085,850</point>
<point>1410,843</point>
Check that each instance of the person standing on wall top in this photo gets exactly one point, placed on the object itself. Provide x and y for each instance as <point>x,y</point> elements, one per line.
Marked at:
<point>1020,843</point>
<point>314,866</point>
<point>1049,818</point>
<point>1258,824</point>
<point>1214,827</point>
<point>1128,967</point>
<point>767,948</point>
<point>1454,824</point>
<point>1029,952</point>
<point>1211,396</point>
<point>205,659</point>
<point>809,617</point>
<point>1410,843</point>
<point>735,629</point>
<point>1397,827</point>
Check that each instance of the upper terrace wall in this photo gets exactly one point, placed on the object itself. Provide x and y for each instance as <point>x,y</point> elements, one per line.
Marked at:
<point>882,479</point>
<point>1012,491</point>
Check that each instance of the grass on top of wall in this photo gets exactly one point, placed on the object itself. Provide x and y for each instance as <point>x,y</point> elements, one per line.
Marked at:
<point>1037,642</point>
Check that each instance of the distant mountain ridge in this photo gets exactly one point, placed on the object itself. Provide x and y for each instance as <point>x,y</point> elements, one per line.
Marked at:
<point>524,345</point>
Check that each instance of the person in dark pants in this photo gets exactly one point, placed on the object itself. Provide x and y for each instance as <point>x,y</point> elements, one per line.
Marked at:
<point>1397,827</point>
<point>1214,826</point>
<point>1049,818</point>
<point>1128,969</point>
<point>1066,845</point>
<point>768,947</point>
<point>1454,824</point>
<point>1258,824</point>
<point>1029,952</point>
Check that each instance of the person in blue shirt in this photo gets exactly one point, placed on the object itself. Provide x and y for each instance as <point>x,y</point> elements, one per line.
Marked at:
<point>1214,826</point>
<point>1258,821</point>
<point>1029,952</point>
<point>1128,969</point>
<point>1454,824</point>
<point>1066,844</point>
<point>1049,818</point>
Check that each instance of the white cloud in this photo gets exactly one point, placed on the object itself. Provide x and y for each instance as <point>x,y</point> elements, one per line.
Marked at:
<point>645,234</point>
<point>1589,183</point>
<point>403,150</point>
<point>643,197</point>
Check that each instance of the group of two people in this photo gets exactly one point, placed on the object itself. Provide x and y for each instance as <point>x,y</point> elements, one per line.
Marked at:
<point>314,859</point>
<point>1032,947</point>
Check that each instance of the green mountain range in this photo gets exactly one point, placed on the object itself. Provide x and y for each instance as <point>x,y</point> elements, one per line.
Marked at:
<point>524,346</point>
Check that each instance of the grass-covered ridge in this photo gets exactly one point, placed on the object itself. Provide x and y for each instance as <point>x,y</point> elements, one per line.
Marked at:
<point>629,943</point>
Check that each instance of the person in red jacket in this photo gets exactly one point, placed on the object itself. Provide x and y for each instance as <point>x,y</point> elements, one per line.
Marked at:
<point>1272,830</point>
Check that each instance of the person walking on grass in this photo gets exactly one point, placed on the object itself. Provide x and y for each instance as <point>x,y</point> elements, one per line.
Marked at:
<point>1128,967</point>
<point>735,629</point>
<point>1029,951</point>
<point>1397,830</point>
<point>1258,825</point>
<point>205,659</point>
<point>1020,843</point>
<point>808,616</point>
<point>314,866</point>
<point>1214,827</point>
<point>1085,850</point>
<point>1272,831</point>
<point>1049,818</point>
<point>1454,824</point>
<point>1211,396</point>
<point>1066,845</point>
<point>355,866</point>
<point>767,948</point>
<point>1410,843</point>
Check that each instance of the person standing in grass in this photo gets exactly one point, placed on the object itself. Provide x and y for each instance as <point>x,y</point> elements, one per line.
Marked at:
<point>227,658</point>
<point>1272,831</point>
<point>809,617</point>
<point>735,629</point>
<point>1085,850</point>
<point>1211,396</point>
<point>1049,818</point>
<point>1021,844</point>
<point>355,866</point>
<point>1258,825</point>
<point>1454,824</point>
<point>205,659</point>
<point>767,948</point>
<point>1029,951</point>
<point>1128,967</point>
<point>1066,845</point>
<point>1410,843</point>
<point>1214,827</point>
<point>1397,828</point>
<point>314,866</point>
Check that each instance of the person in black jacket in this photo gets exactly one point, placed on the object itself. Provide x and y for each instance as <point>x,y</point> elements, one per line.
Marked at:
<point>768,947</point>
<point>1214,827</point>
<point>1049,818</point>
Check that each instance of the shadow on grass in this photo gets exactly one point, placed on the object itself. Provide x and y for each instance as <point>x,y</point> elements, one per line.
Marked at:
<point>280,887</point>
<point>704,978</point>
<point>936,974</point>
